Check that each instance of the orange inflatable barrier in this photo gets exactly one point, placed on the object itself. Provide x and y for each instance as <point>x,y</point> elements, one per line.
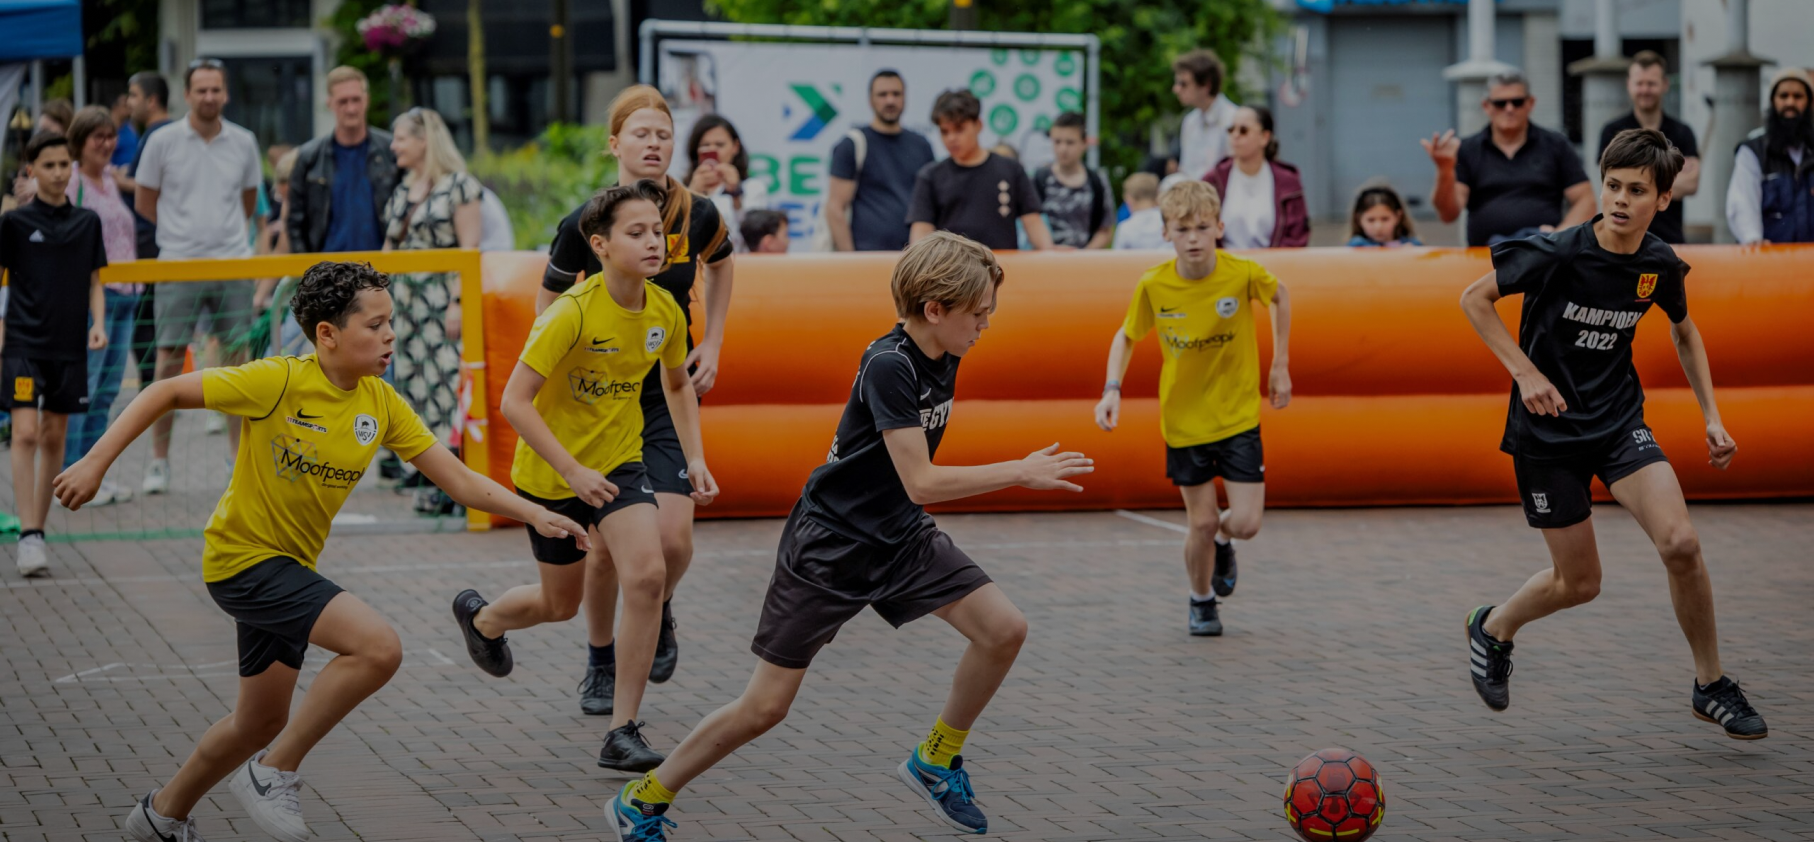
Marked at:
<point>1396,401</point>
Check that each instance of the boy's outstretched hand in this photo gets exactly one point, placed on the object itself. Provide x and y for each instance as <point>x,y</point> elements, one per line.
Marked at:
<point>77,485</point>
<point>1048,470</point>
<point>1108,410</point>
<point>550,525</point>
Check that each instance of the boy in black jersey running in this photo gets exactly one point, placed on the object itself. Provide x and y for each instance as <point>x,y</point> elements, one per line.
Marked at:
<point>859,537</point>
<point>1577,411</point>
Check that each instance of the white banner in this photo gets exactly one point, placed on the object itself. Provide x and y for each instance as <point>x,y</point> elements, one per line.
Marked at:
<point>792,102</point>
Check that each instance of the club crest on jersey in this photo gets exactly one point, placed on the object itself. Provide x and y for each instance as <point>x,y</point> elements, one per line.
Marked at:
<point>1541,501</point>
<point>1647,284</point>
<point>1227,306</point>
<point>365,428</point>
<point>657,335</point>
<point>677,248</point>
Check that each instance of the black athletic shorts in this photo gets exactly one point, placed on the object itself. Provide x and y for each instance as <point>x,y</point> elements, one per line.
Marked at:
<point>59,386</point>
<point>667,463</point>
<point>1238,458</point>
<point>1557,492</point>
<point>632,488</point>
<point>275,602</point>
<point>823,579</point>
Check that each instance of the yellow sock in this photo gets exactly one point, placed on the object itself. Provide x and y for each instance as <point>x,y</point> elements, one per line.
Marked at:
<point>944,743</point>
<point>647,790</point>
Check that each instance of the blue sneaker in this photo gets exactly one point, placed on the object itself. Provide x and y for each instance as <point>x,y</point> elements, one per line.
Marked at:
<point>638,821</point>
<point>947,790</point>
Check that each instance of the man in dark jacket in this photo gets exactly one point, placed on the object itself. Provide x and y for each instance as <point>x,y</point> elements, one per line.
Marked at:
<point>342,179</point>
<point>1771,198</point>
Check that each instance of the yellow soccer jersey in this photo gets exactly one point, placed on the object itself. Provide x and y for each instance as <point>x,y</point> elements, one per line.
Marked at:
<point>596,356</point>
<point>1209,388</point>
<point>303,446</point>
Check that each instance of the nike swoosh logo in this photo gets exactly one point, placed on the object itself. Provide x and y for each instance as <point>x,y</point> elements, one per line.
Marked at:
<point>647,490</point>
<point>262,788</point>
<point>301,414</point>
<point>1167,309</point>
<point>603,341</point>
<point>145,805</point>
<point>927,395</point>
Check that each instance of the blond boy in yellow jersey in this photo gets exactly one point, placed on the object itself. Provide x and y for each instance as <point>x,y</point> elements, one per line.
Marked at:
<point>575,400</point>
<point>311,426</point>
<point>1209,389</point>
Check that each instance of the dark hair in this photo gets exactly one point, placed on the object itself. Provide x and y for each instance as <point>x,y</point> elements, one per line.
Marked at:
<point>1643,149</point>
<point>60,110</point>
<point>758,224</point>
<point>1204,66</point>
<point>957,105</point>
<point>600,212</point>
<point>886,73</point>
<point>213,64</point>
<point>1263,116</point>
<point>329,292</point>
<point>1376,196</point>
<point>1070,120</point>
<point>153,86</point>
<point>1650,58</point>
<point>90,120</point>
<point>40,142</point>
<point>707,123</point>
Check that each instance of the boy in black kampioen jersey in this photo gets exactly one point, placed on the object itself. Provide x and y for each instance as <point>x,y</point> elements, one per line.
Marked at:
<point>859,537</point>
<point>1577,411</point>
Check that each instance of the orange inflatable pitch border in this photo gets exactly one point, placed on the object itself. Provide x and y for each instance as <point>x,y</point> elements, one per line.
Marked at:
<point>1397,401</point>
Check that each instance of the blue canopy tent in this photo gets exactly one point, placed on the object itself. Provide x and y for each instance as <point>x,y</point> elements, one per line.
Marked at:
<point>40,29</point>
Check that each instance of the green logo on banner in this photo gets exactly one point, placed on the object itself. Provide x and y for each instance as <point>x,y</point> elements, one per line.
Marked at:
<point>1042,124</point>
<point>1026,86</point>
<point>1069,99</point>
<point>982,83</point>
<point>1066,64</point>
<point>1003,119</point>
<point>999,56</point>
<point>1029,58</point>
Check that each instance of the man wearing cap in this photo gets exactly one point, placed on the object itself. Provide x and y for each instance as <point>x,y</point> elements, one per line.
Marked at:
<point>1771,198</point>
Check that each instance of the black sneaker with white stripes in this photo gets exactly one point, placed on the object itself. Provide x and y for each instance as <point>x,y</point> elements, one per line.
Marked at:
<point>1489,662</point>
<point>1723,704</point>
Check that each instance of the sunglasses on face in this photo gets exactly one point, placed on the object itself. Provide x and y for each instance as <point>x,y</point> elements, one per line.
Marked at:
<point>1510,103</point>
<point>200,63</point>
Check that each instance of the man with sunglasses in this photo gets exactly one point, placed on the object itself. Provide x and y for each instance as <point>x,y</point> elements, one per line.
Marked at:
<point>1513,177</point>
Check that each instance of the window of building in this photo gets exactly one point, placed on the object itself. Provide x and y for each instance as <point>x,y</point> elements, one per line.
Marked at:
<point>272,96</point>
<point>254,14</point>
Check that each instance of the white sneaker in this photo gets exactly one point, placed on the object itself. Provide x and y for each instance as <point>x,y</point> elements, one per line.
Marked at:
<point>145,825</point>
<point>157,477</point>
<point>32,562</point>
<point>217,424</point>
<point>272,798</point>
<point>115,492</point>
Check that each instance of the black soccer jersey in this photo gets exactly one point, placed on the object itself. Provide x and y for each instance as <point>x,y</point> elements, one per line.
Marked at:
<point>570,253</point>
<point>49,252</point>
<point>857,492</point>
<point>1582,304</point>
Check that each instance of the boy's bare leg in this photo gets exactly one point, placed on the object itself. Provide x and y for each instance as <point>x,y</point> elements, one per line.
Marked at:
<point>996,630</point>
<point>1653,495</point>
<point>676,518</point>
<point>631,537</point>
<point>27,437</point>
<point>600,603</point>
<point>53,434</point>
<point>1246,505</point>
<point>367,654</point>
<point>764,703</point>
<point>257,718</point>
<point>555,599</point>
<point>1572,579</point>
<point>1200,543</point>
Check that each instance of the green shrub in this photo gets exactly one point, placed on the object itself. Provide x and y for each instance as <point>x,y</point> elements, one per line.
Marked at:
<point>545,179</point>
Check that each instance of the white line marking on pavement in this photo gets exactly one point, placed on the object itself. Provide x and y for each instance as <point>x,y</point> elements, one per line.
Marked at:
<point>68,678</point>
<point>1152,521</point>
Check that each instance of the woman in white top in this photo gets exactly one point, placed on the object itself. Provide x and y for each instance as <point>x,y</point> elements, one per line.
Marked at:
<point>1262,197</point>
<point>721,172</point>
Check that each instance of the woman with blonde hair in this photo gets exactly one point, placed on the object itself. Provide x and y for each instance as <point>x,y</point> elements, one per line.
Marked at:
<point>435,206</point>
<point>642,140</point>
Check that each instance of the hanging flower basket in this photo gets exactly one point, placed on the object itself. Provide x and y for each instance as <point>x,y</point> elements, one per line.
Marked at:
<point>396,30</point>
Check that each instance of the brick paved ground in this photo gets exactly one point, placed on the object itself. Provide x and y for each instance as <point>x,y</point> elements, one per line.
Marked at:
<point>1114,725</point>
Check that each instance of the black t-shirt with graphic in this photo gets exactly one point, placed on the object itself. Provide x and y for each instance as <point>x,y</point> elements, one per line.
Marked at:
<point>1582,304</point>
<point>50,253</point>
<point>857,493</point>
<point>570,258</point>
<point>980,202</point>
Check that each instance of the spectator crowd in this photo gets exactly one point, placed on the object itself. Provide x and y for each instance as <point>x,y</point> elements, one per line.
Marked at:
<point>110,184</point>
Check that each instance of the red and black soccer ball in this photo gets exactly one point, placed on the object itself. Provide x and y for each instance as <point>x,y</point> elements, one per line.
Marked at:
<point>1334,795</point>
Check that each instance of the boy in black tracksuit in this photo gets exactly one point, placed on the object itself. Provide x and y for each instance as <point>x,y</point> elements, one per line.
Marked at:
<point>1577,411</point>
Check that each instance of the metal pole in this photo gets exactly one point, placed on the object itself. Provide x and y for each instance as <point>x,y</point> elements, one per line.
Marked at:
<point>1480,30</point>
<point>1606,30</point>
<point>1092,112</point>
<point>80,71</point>
<point>1738,26</point>
<point>963,15</point>
<point>1737,76</point>
<point>37,92</point>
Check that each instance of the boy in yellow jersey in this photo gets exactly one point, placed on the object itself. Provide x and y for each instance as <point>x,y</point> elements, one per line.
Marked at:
<point>1209,388</point>
<point>575,401</point>
<point>312,425</point>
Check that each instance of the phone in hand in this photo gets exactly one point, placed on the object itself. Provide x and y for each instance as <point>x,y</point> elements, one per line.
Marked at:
<point>708,155</point>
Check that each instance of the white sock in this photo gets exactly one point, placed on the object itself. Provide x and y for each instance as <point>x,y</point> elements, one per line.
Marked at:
<point>1197,597</point>
<point>1223,541</point>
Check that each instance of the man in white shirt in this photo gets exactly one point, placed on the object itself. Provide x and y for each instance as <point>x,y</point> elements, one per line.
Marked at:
<point>198,181</point>
<point>1203,138</point>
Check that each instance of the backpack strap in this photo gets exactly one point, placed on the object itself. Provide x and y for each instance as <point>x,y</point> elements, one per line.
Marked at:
<point>860,145</point>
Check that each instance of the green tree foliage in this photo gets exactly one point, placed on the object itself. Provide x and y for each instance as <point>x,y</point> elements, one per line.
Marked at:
<point>544,180</point>
<point>1139,40</point>
<point>127,29</point>
<point>352,52</point>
